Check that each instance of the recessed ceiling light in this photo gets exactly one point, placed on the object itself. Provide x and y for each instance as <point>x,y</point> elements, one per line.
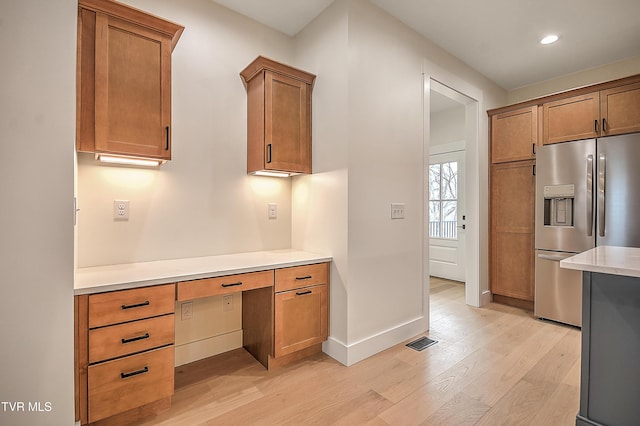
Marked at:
<point>552,38</point>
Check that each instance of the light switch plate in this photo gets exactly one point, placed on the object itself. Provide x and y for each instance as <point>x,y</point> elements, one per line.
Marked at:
<point>397,210</point>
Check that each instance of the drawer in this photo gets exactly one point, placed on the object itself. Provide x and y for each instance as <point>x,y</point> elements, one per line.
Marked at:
<point>131,337</point>
<point>207,287</point>
<point>120,385</point>
<point>301,276</point>
<point>128,305</point>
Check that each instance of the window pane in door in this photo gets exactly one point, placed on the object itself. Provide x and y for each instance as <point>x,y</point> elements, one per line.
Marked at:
<point>434,182</point>
<point>449,180</point>
<point>434,219</point>
<point>449,219</point>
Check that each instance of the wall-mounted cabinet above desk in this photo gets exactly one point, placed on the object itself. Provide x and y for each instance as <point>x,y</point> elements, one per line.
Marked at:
<point>278,117</point>
<point>124,80</point>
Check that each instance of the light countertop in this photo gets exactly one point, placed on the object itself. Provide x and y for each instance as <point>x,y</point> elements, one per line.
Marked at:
<point>606,260</point>
<point>131,275</point>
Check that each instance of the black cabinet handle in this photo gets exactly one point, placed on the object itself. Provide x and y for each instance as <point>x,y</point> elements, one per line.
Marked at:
<point>604,125</point>
<point>268,153</point>
<point>134,373</point>
<point>167,145</point>
<point>533,171</point>
<point>135,339</point>
<point>137,305</point>
<point>533,148</point>
<point>302,293</point>
<point>308,277</point>
<point>232,284</point>
<point>595,126</point>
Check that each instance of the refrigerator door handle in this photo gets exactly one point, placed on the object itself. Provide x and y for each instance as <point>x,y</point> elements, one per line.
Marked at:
<point>555,257</point>
<point>589,195</point>
<point>601,194</point>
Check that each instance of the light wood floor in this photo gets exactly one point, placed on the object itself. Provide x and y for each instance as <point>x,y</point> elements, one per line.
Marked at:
<point>491,366</point>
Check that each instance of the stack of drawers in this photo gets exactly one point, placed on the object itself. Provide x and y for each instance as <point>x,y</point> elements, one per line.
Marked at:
<point>130,352</point>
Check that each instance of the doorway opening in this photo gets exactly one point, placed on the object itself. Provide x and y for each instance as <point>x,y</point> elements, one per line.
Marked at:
<point>451,214</point>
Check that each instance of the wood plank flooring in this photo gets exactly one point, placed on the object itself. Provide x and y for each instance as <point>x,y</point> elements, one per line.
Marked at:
<point>495,365</point>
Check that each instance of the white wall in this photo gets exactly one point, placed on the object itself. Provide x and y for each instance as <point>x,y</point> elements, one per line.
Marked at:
<point>37,123</point>
<point>320,210</point>
<point>202,202</point>
<point>620,69</point>
<point>447,126</point>
<point>369,152</point>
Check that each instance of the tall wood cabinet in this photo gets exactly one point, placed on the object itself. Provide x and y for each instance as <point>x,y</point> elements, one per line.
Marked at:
<point>124,80</point>
<point>605,109</point>
<point>278,117</point>
<point>512,225</point>
<point>514,136</point>
<point>603,113</point>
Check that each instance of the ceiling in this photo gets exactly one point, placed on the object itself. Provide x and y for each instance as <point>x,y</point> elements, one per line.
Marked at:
<point>498,38</point>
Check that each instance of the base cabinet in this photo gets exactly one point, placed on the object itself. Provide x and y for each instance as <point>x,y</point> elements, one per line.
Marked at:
<point>124,350</point>
<point>610,377</point>
<point>124,340</point>
<point>301,319</point>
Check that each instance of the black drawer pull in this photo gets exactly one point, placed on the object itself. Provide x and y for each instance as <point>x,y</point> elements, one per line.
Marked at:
<point>232,284</point>
<point>302,293</point>
<point>137,305</point>
<point>134,373</point>
<point>135,339</point>
<point>308,277</point>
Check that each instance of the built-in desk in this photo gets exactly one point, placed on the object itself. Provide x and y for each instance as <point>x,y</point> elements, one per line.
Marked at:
<point>124,316</point>
<point>610,372</point>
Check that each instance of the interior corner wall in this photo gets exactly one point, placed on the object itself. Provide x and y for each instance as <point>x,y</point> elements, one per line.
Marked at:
<point>38,45</point>
<point>613,71</point>
<point>202,202</point>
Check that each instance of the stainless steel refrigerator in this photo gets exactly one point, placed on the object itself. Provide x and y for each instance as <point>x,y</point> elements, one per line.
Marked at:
<point>587,195</point>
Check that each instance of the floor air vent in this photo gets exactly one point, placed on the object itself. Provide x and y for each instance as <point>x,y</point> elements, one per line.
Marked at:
<point>421,343</point>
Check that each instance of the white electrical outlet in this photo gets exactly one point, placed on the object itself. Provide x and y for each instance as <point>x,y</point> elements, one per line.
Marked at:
<point>397,210</point>
<point>186,311</point>
<point>273,210</point>
<point>227,303</point>
<point>121,209</point>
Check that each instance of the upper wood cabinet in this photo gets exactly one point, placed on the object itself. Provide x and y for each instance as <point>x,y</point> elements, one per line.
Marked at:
<point>620,110</point>
<point>124,80</point>
<point>278,117</point>
<point>571,119</point>
<point>514,135</point>
<point>605,113</point>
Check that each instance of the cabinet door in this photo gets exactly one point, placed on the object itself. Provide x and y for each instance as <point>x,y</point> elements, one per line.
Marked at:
<point>571,119</point>
<point>514,134</point>
<point>512,230</point>
<point>132,89</point>
<point>300,319</point>
<point>620,110</point>
<point>287,124</point>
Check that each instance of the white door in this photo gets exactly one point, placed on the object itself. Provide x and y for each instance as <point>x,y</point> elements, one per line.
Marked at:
<point>446,216</point>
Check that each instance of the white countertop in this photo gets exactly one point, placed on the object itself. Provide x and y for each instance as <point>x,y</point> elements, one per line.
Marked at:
<point>606,260</point>
<point>131,275</point>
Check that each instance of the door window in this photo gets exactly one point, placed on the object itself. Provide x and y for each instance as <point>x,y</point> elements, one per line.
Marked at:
<point>443,200</point>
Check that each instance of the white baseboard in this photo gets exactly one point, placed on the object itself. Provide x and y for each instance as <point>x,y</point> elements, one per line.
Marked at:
<point>205,348</point>
<point>355,352</point>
